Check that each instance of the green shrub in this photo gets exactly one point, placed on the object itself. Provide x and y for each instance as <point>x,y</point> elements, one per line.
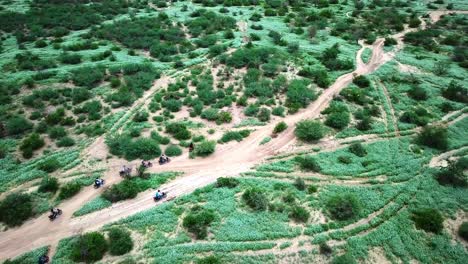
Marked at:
<point>299,214</point>
<point>345,159</point>
<point>308,163</point>
<point>49,165</point>
<point>280,127</point>
<point>66,142</point>
<point>57,132</point>
<point>17,125</point>
<point>226,182</point>
<point>127,189</point>
<point>344,259</point>
<point>325,249</point>
<point>31,143</point>
<point>205,148</point>
<point>264,114</point>
<point>142,148</point>
<point>358,149</point>
<point>463,230</point>
<point>213,259</point>
<point>454,174</point>
<point>120,242</point>
<point>434,137</point>
<point>235,135</point>
<point>312,189</point>
<point>418,93</point>
<point>69,190</point>
<point>173,151</point>
<point>255,199</point>
<point>343,206</point>
<point>309,130</point>
<point>141,116</point>
<point>198,220</point>
<point>16,208</point>
<point>224,117</point>
<point>338,120</point>
<point>48,184</point>
<point>300,184</point>
<point>89,247</point>
<point>361,81</point>
<point>210,114</point>
<point>428,219</point>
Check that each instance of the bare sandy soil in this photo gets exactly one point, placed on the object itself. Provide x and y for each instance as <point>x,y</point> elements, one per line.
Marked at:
<point>228,161</point>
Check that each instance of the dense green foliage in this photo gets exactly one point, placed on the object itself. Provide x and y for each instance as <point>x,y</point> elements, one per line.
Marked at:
<point>309,130</point>
<point>16,208</point>
<point>428,219</point>
<point>120,242</point>
<point>343,206</point>
<point>198,220</point>
<point>89,247</point>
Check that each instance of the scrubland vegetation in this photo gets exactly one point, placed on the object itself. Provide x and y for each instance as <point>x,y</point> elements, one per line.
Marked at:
<point>379,173</point>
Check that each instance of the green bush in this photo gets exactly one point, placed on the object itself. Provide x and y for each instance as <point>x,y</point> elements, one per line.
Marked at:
<point>235,135</point>
<point>454,175</point>
<point>120,242</point>
<point>308,163</point>
<point>338,120</point>
<point>66,142</point>
<point>264,114</point>
<point>198,220</point>
<point>255,199</point>
<point>358,149</point>
<point>209,260</point>
<point>48,184</point>
<point>89,247</point>
<point>210,114</point>
<point>280,127</point>
<point>31,143</point>
<point>325,249</point>
<point>312,189</point>
<point>142,148</point>
<point>224,117</point>
<point>49,165</point>
<point>17,125</point>
<point>173,150</point>
<point>127,189</point>
<point>299,214</point>
<point>344,259</point>
<point>141,116</point>
<point>205,148</point>
<point>343,206</point>
<point>300,184</point>
<point>463,230</point>
<point>361,81</point>
<point>418,93</point>
<point>226,182</point>
<point>309,130</point>
<point>69,190</point>
<point>428,219</point>
<point>16,208</point>
<point>434,137</point>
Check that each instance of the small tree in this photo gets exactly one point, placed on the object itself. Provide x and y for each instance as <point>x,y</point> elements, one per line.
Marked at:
<point>15,209</point>
<point>280,127</point>
<point>428,219</point>
<point>463,231</point>
<point>205,148</point>
<point>48,184</point>
<point>358,149</point>
<point>255,199</point>
<point>227,182</point>
<point>198,220</point>
<point>120,242</point>
<point>309,130</point>
<point>90,247</point>
<point>434,137</point>
<point>308,163</point>
<point>343,206</point>
<point>299,214</point>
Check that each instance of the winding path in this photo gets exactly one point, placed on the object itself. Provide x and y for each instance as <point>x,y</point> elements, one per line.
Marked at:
<point>230,160</point>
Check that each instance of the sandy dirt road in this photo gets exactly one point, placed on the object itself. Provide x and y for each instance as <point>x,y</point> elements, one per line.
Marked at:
<point>229,160</point>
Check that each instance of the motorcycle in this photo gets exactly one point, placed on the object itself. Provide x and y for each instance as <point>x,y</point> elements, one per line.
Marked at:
<point>97,186</point>
<point>164,161</point>
<point>53,216</point>
<point>164,194</point>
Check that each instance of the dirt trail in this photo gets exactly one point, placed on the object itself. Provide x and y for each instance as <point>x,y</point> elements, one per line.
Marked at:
<point>439,161</point>
<point>229,160</point>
